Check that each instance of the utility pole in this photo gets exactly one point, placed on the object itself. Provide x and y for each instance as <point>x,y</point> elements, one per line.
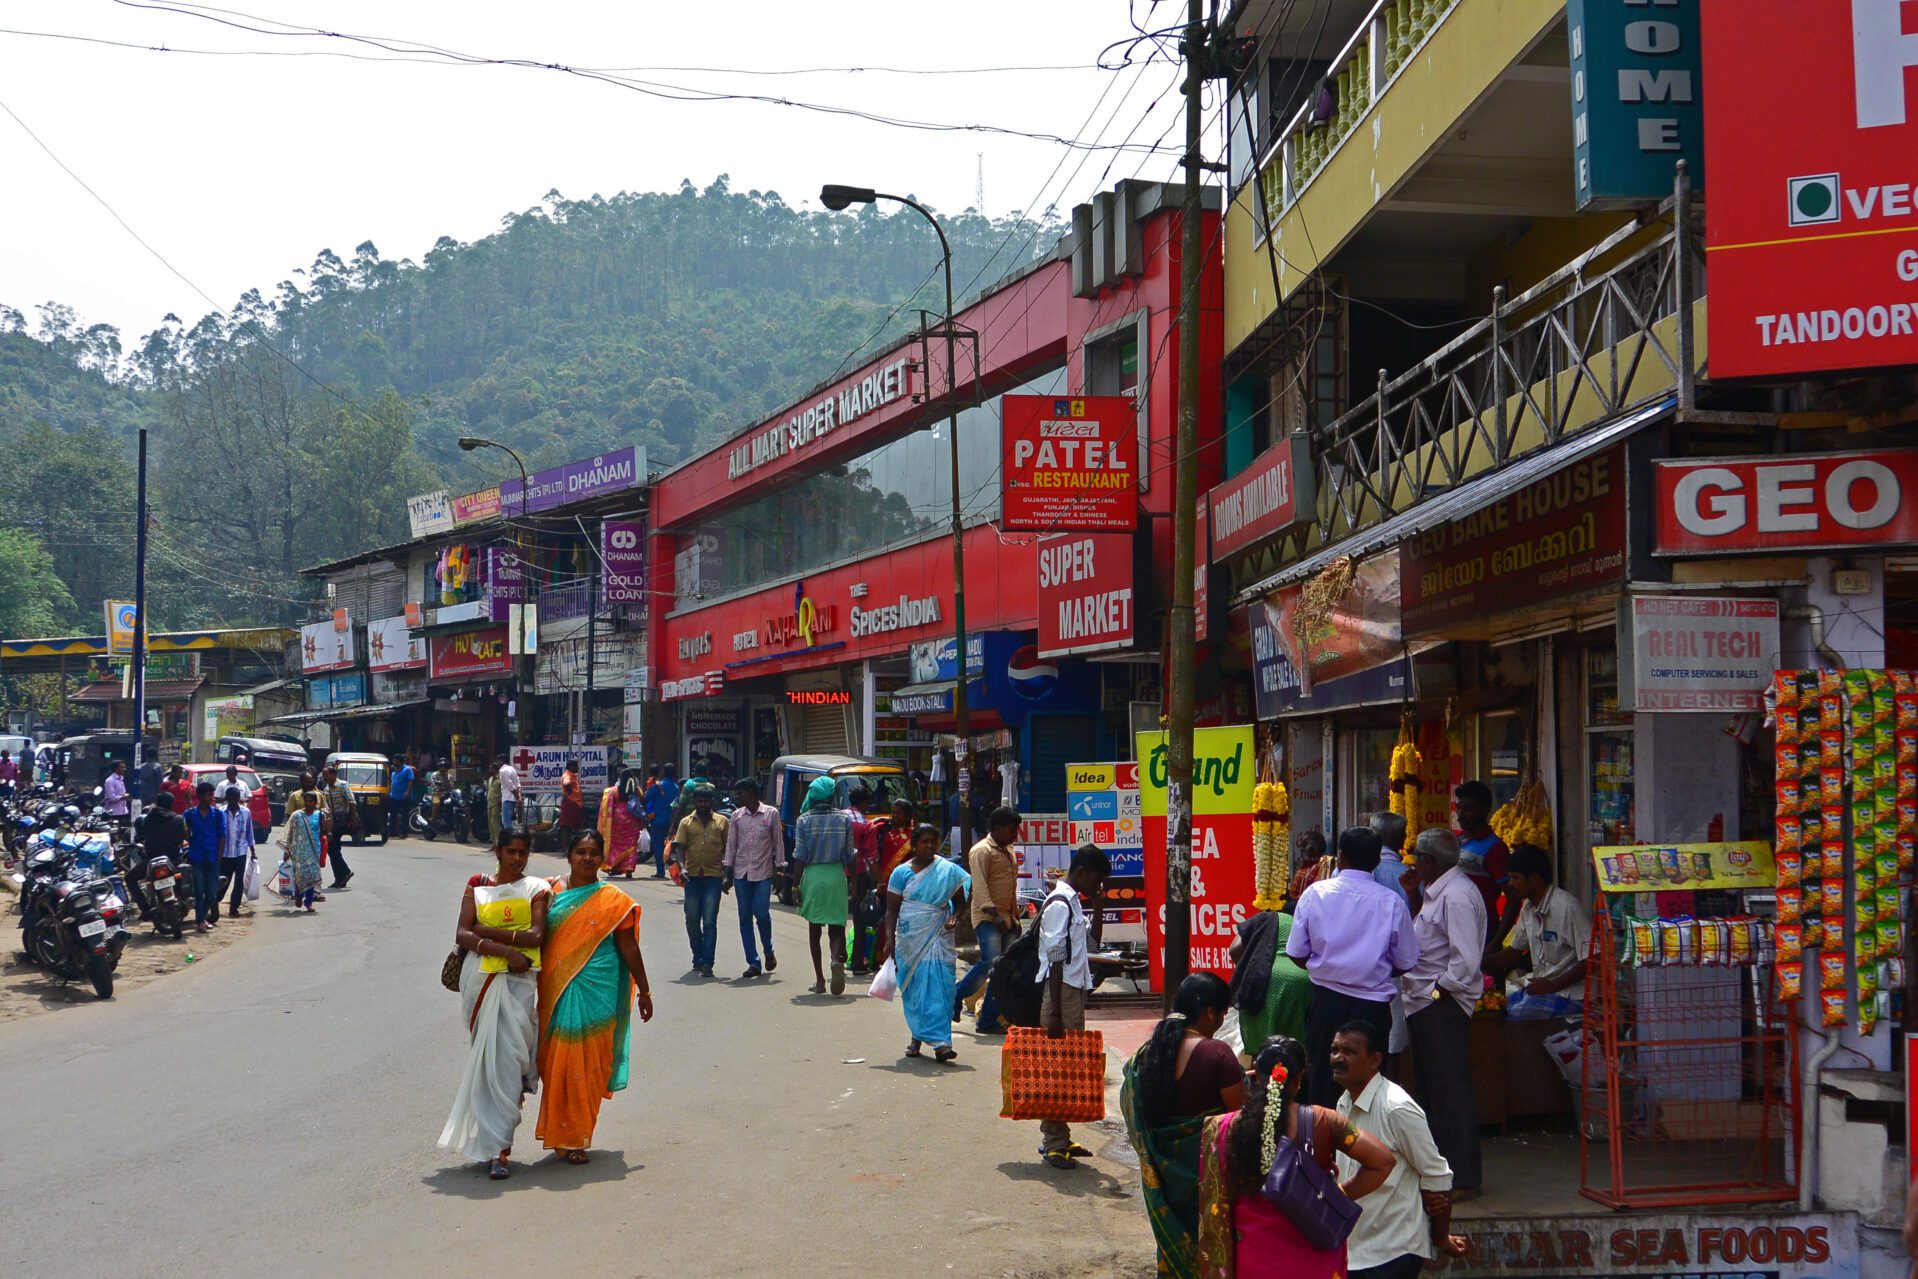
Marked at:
<point>1181,673</point>
<point>140,621</point>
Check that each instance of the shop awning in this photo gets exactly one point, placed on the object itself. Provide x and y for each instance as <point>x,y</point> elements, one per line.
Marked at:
<point>271,685</point>
<point>346,712</point>
<point>157,691</point>
<point>1466,498</point>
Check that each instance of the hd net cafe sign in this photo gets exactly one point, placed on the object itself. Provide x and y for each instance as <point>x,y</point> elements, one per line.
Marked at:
<point>1223,769</point>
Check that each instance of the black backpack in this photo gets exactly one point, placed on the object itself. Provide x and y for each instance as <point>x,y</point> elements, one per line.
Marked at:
<point>1014,981</point>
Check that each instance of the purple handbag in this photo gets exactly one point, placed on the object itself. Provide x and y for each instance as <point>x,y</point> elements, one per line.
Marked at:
<point>1306,1193</point>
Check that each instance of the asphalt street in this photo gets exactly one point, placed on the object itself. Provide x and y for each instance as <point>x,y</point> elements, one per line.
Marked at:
<point>273,1110</point>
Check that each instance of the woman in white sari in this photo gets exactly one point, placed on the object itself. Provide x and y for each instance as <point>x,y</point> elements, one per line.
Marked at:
<point>502,926</point>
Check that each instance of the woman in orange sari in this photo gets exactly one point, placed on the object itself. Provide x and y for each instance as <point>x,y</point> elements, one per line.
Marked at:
<point>587,969</point>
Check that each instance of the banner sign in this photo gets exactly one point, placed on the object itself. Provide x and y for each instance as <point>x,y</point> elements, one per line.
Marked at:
<point>1636,109</point>
<point>1693,654</point>
<point>1224,771</point>
<point>430,513</point>
<point>1811,234</point>
<point>1647,868</point>
<point>1201,575</point>
<point>595,476</point>
<point>122,618</point>
<point>1557,536</point>
<point>1714,1245</point>
<point>470,508</point>
<point>1271,495</point>
<point>328,692</point>
<point>471,654</point>
<point>324,647</point>
<point>1102,801</point>
<point>392,646</point>
<point>1069,463</point>
<point>1359,631</point>
<point>622,547</point>
<point>541,767</point>
<point>1797,502</point>
<point>505,578</point>
<point>229,716</point>
<point>1085,593</point>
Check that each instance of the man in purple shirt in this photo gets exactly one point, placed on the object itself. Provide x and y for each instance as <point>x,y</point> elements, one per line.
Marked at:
<point>1354,936</point>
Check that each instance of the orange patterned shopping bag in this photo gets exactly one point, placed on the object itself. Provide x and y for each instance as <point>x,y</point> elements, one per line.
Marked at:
<point>1059,1079</point>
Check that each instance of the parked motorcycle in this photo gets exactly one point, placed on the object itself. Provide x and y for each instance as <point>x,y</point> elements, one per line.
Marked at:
<point>451,819</point>
<point>479,822</point>
<point>73,921</point>
<point>156,886</point>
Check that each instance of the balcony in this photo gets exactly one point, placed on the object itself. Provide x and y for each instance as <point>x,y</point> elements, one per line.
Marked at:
<point>1438,127</point>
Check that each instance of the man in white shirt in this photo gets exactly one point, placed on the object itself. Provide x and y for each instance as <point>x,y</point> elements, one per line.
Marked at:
<point>509,785</point>
<point>1553,938</point>
<point>1065,970</point>
<point>1440,993</point>
<point>1353,935</point>
<point>1405,1221</point>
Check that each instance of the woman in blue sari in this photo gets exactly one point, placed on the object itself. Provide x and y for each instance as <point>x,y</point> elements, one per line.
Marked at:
<point>921,897</point>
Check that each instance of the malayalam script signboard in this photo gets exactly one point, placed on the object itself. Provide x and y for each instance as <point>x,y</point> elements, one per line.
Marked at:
<point>1702,654</point>
<point>1223,774</point>
<point>1811,233</point>
<point>1102,801</point>
<point>1070,463</point>
<point>1798,502</point>
<point>1560,535</point>
<point>1085,593</point>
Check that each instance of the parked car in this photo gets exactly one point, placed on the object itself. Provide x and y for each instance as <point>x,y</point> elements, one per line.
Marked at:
<point>216,773</point>
<point>370,778</point>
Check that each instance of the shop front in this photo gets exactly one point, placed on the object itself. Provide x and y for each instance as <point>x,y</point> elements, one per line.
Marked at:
<point>470,682</point>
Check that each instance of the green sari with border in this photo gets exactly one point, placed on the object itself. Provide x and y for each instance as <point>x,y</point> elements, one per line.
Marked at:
<point>1168,1177</point>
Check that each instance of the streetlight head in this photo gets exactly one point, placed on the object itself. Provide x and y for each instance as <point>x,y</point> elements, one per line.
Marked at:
<point>471,442</point>
<point>836,197</point>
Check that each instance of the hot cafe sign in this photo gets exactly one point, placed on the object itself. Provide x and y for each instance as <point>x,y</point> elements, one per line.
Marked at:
<point>471,654</point>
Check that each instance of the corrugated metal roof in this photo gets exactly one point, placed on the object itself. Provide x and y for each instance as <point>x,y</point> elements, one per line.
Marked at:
<point>1465,499</point>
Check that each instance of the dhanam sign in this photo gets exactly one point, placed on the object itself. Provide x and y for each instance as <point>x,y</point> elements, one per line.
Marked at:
<point>1070,463</point>
<point>1223,767</point>
<point>1812,228</point>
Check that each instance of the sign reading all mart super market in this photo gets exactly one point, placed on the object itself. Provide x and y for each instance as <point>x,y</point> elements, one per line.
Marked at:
<point>814,422</point>
<point>1811,232</point>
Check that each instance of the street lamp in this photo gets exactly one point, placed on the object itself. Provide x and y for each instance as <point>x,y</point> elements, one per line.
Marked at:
<point>836,197</point>
<point>467,444</point>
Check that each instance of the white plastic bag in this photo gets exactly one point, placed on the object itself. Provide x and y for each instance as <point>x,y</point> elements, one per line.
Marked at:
<point>283,882</point>
<point>645,843</point>
<point>886,984</point>
<point>253,879</point>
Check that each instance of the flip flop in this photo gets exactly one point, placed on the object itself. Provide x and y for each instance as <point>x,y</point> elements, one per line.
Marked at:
<point>912,1049</point>
<point>1059,1159</point>
<point>577,1157</point>
<point>498,1171</point>
<point>945,1055</point>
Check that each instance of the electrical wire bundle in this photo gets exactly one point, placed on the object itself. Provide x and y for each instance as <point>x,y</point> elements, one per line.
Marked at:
<point>1271,843</point>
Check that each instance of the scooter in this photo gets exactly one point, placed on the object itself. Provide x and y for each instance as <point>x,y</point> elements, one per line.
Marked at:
<point>450,821</point>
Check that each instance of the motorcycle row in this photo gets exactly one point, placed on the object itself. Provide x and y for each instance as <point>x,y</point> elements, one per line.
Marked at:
<point>78,872</point>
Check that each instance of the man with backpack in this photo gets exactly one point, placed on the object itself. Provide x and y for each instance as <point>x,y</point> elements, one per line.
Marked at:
<point>1065,973</point>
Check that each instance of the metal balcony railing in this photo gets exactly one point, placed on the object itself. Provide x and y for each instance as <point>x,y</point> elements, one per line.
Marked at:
<point>1361,72</point>
<point>1573,350</point>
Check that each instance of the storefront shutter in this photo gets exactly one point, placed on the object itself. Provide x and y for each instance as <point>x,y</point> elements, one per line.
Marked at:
<point>824,730</point>
<point>386,595</point>
<point>1058,740</point>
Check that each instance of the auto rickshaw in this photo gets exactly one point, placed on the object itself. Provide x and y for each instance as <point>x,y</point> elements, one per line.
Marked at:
<point>370,778</point>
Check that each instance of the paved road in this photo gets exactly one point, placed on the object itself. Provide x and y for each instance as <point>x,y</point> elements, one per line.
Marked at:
<point>273,1111</point>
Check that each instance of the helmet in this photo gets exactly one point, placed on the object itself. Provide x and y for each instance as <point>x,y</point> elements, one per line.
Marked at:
<point>442,764</point>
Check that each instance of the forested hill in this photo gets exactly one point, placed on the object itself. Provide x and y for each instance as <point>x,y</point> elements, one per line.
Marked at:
<point>673,319</point>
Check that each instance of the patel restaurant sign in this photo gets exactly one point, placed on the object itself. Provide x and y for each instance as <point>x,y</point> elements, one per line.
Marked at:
<point>471,654</point>
<point>1695,654</point>
<point>1070,463</point>
<point>1808,501</point>
<point>1716,1245</point>
<point>1223,768</point>
<point>1556,536</point>
<point>1267,496</point>
<point>1812,228</point>
<point>1085,593</point>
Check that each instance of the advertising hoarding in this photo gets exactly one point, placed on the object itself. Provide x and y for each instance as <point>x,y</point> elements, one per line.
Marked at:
<point>622,549</point>
<point>392,646</point>
<point>1085,593</point>
<point>1795,502</point>
<point>326,647</point>
<point>1224,769</point>
<point>1069,463</point>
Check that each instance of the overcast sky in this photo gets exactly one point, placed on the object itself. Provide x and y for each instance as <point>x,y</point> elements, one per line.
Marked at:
<point>238,169</point>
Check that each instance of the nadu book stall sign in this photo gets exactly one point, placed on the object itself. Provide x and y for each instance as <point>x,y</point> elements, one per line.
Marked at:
<point>1557,536</point>
<point>1223,766</point>
<point>1069,463</point>
<point>1811,234</point>
<point>1085,593</point>
<point>1801,502</point>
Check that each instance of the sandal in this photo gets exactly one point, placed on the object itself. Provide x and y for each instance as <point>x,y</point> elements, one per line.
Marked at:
<point>912,1049</point>
<point>1078,1152</point>
<point>1059,1159</point>
<point>576,1157</point>
<point>497,1170</point>
<point>818,988</point>
<point>946,1054</point>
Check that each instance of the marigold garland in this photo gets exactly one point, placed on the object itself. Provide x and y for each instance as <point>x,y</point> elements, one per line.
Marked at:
<point>1271,842</point>
<point>1407,769</point>
<point>1526,818</point>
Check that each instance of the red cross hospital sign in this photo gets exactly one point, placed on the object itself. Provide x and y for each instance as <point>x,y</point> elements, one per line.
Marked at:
<point>1811,231</point>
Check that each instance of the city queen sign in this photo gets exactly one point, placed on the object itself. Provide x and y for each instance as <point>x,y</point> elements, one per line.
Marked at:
<point>1811,233</point>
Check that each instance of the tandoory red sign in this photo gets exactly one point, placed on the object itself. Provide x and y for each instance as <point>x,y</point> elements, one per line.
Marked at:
<point>1556,536</point>
<point>1812,225</point>
<point>1070,463</point>
<point>1800,502</point>
<point>1085,593</point>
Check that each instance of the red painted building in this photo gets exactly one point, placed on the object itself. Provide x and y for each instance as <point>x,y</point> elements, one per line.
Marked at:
<point>811,553</point>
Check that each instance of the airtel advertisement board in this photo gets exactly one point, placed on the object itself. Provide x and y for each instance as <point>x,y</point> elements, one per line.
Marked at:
<point>1811,232</point>
<point>1069,463</point>
<point>1809,501</point>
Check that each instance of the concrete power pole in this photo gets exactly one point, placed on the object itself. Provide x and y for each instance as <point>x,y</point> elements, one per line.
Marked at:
<point>1182,645</point>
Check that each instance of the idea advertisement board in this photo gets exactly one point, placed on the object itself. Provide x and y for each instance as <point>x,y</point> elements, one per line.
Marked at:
<point>1102,803</point>
<point>1811,233</point>
<point>1224,771</point>
<point>1070,463</point>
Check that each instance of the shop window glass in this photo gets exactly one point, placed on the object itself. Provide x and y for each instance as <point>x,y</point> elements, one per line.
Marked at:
<point>894,494</point>
<point>1609,741</point>
<point>1502,752</point>
<point>1371,774</point>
